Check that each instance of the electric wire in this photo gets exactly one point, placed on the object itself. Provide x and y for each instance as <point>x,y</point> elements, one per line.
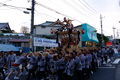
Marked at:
<point>73,7</point>
<point>21,8</point>
<point>6,1</point>
<point>87,8</point>
<point>45,14</point>
<point>90,7</point>
<point>77,9</point>
<point>61,13</point>
<point>12,6</point>
<point>57,12</point>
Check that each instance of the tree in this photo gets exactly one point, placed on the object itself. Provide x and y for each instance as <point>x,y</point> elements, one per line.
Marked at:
<point>24,29</point>
<point>100,38</point>
<point>13,31</point>
<point>1,34</point>
<point>6,31</point>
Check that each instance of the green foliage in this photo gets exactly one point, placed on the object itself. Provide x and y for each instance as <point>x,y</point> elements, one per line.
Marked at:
<point>106,39</point>
<point>6,31</point>
<point>1,34</point>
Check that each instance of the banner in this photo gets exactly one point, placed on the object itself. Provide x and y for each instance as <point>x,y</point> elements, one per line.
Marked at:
<point>45,42</point>
<point>108,43</point>
<point>31,42</point>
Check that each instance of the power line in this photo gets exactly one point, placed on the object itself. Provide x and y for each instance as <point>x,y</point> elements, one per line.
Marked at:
<point>77,9</point>
<point>90,7</point>
<point>45,14</point>
<point>77,5</point>
<point>6,1</point>
<point>42,15</point>
<point>62,14</point>
<point>21,8</point>
<point>12,6</point>
<point>55,4</point>
<point>57,12</point>
<point>85,7</point>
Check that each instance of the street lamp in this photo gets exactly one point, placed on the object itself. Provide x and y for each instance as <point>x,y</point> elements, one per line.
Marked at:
<point>92,36</point>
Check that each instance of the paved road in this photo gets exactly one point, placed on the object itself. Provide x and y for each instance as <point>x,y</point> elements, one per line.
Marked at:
<point>104,73</point>
<point>108,72</point>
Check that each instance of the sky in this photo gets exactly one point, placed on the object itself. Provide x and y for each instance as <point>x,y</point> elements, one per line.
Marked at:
<point>80,11</point>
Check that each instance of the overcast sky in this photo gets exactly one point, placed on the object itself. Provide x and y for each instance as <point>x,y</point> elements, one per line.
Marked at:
<point>81,11</point>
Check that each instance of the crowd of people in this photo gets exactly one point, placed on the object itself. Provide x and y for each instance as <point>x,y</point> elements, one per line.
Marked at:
<point>55,64</point>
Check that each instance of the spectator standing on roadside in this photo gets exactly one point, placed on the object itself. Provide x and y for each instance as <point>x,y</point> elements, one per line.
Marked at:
<point>105,54</point>
<point>111,53</point>
<point>116,52</point>
<point>102,54</point>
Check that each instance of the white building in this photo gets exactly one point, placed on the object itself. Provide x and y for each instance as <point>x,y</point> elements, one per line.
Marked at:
<point>45,28</point>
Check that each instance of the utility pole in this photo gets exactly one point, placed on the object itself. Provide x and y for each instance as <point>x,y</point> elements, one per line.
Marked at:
<point>119,2</point>
<point>101,30</point>
<point>114,35</point>
<point>32,26</point>
<point>118,37</point>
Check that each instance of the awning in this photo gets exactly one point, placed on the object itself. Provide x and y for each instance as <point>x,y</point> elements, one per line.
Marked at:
<point>5,47</point>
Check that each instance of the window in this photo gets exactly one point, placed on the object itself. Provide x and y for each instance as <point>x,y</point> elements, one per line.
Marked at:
<point>18,44</point>
<point>43,27</point>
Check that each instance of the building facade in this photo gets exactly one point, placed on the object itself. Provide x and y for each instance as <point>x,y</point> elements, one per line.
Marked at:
<point>89,36</point>
<point>19,40</point>
<point>46,28</point>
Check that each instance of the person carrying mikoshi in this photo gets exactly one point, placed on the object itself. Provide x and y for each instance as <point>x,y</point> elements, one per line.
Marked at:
<point>41,66</point>
<point>69,70</point>
<point>24,63</point>
<point>2,64</point>
<point>32,58</point>
<point>15,67</point>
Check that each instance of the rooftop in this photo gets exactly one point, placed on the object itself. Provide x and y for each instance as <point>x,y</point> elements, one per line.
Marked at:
<point>4,25</point>
<point>48,23</point>
<point>19,40</point>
